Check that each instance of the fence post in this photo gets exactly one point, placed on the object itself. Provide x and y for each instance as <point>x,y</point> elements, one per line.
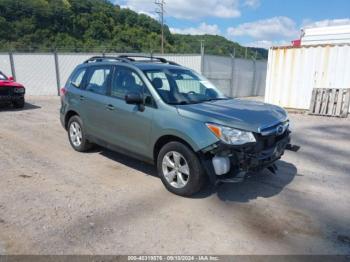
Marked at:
<point>57,70</point>
<point>233,68</point>
<point>202,58</point>
<point>254,78</point>
<point>12,63</point>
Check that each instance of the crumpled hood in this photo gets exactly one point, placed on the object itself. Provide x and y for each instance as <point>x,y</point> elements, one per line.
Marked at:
<point>242,114</point>
<point>8,83</point>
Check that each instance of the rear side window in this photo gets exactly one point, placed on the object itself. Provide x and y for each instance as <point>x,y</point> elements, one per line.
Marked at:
<point>77,78</point>
<point>99,80</point>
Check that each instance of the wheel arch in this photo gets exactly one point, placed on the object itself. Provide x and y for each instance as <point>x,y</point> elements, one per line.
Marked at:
<point>163,140</point>
<point>68,116</point>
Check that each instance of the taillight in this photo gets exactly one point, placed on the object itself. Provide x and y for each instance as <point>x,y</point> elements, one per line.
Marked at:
<point>63,91</point>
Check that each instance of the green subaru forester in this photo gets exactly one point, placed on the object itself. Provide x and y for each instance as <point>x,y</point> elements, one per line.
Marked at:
<point>161,112</point>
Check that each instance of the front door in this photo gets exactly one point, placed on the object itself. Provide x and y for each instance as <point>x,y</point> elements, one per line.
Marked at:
<point>129,128</point>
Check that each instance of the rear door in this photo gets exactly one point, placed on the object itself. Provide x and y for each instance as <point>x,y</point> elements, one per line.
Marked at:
<point>94,100</point>
<point>75,86</point>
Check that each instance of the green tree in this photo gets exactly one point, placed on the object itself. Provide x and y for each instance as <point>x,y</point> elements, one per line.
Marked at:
<point>96,25</point>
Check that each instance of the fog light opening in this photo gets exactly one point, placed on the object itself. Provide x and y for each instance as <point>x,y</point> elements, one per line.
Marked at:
<point>221,165</point>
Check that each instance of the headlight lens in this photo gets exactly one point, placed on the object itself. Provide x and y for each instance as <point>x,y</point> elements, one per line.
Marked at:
<point>230,135</point>
<point>19,90</point>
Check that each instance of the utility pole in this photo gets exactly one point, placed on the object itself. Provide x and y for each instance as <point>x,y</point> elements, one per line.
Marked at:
<point>160,11</point>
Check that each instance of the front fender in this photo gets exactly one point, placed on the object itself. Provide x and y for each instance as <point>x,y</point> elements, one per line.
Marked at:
<point>194,132</point>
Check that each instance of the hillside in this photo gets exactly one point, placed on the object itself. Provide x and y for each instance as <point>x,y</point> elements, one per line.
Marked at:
<point>95,25</point>
<point>214,45</point>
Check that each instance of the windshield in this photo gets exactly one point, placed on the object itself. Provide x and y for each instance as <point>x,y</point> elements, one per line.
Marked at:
<point>2,76</point>
<point>183,86</point>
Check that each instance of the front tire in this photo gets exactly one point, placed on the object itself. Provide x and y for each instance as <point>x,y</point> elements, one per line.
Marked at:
<point>77,136</point>
<point>179,169</point>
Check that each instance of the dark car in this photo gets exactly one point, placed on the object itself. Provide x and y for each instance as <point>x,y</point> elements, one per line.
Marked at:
<point>11,92</point>
<point>169,115</point>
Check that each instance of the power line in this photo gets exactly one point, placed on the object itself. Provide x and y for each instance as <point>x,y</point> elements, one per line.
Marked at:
<point>160,11</point>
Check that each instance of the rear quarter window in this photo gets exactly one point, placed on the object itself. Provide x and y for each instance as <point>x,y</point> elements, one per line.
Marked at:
<point>77,78</point>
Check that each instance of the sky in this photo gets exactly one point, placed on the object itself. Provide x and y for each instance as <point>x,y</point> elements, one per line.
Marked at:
<point>258,23</point>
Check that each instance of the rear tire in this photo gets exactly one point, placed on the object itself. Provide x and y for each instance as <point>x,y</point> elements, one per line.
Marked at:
<point>19,103</point>
<point>77,136</point>
<point>173,162</point>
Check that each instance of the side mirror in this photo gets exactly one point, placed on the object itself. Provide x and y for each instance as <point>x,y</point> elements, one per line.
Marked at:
<point>11,78</point>
<point>134,98</point>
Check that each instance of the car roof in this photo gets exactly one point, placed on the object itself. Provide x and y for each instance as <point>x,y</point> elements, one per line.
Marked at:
<point>147,63</point>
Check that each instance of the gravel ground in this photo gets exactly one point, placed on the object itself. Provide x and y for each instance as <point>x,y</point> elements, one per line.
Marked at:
<point>54,200</point>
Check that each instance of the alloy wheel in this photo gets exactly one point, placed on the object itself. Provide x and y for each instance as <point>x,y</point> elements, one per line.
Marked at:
<point>175,169</point>
<point>75,134</point>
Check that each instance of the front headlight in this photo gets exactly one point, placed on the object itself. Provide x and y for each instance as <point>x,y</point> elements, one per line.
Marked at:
<point>230,135</point>
<point>19,90</point>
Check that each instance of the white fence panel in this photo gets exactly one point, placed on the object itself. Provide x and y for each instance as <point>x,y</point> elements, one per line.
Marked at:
<point>260,78</point>
<point>190,61</point>
<point>218,70</point>
<point>68,62</point>
<point>37,73</point>
<point>243,78</point>
<point>236,77</point>
<point>5,65</point>
<point>294,72</point>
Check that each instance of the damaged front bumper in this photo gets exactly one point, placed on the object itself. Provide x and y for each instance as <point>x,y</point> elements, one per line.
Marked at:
<point>241,160</point>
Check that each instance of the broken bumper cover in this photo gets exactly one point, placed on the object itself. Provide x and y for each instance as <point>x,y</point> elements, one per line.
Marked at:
<point>258,161</point>
<point>246,158</point>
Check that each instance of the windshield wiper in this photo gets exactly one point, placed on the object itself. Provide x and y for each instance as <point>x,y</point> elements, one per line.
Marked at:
<point>197,102</point>
<point>216,99</point>
<point>179,103</point>
<point>186,102</point>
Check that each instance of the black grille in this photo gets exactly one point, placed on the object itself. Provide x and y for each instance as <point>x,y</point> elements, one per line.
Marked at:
<point>5,91</point>
<point>266,142</point>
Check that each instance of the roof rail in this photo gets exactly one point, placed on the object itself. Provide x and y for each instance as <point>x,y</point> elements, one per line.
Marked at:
<point>150,59</point>
<point>104,58</point>
<point>129,59</point>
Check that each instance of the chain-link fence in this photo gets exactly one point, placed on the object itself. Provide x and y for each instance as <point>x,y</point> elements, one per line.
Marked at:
<point>46,73</point>
<point>236,77</point>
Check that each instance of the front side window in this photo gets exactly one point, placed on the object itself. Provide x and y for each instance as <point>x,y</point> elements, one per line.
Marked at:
<point>2,76</point>
<point>183,86</point>
<point>98,80</point>
<point>124,81</point>
<point>159,80</point>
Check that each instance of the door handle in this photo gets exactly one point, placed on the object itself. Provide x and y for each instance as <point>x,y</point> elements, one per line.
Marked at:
<point>110,107</point>
<point>82,98</point>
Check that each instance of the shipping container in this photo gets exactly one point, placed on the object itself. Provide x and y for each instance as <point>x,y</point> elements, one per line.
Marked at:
<point>293,72</point>
<point>326,35</point>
